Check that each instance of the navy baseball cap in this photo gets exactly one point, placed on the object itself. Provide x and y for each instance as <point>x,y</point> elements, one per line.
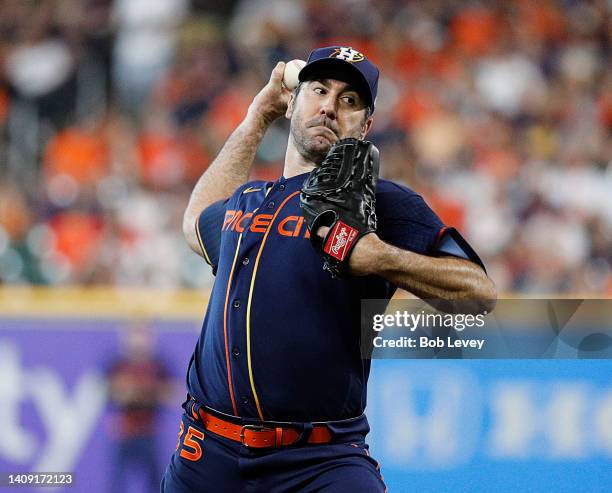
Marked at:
<point>345,64</point>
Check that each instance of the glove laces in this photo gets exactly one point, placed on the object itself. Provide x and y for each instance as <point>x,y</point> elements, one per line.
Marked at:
<point>330,168</point>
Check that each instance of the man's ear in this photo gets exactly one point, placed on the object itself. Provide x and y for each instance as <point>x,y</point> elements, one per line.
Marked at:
<point>366,127</point>
<point>289,111</point>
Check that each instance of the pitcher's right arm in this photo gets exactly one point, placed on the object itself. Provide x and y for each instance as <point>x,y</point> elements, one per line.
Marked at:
<point>232,166</point>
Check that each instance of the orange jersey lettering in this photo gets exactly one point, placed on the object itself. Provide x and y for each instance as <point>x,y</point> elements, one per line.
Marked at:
<point>239,223</point>
<point>229,216</point>
<point>291,226</point>
<point>282,229</point>
<point>260,223</point>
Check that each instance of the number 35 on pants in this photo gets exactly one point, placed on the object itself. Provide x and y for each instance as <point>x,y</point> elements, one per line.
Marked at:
<point>191,449</point>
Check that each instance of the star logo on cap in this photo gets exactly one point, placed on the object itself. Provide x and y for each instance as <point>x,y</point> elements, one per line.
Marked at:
<point>347,54</point>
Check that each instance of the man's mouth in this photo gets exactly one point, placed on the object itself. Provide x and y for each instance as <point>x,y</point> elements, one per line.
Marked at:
<point>326,132</point>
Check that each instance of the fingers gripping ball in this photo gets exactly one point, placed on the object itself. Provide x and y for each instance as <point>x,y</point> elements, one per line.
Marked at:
<point>341,194</point>
<point>290,77</point>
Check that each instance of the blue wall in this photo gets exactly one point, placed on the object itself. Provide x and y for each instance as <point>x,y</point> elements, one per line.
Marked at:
<point>460,426</point>
<point>437,426</point>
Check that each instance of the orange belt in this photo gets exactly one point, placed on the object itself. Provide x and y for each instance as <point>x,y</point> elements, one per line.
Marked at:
<point>259,436</point>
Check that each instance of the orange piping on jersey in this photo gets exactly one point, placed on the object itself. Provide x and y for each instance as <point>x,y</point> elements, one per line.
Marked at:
<point>248,319</point>
<point>238,225</point>
<point>227,360</point>
<point>260,223</point>
<point>206,257</point>
<point>441,233</point>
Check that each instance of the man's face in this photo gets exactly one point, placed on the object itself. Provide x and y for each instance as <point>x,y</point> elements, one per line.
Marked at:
<point>323,112</point>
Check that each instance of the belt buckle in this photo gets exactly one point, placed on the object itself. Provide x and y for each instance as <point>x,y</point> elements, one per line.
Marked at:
<point>250,427</point>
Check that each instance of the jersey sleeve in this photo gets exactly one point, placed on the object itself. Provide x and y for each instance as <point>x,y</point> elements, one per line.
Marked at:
<point>209,224</point>
<point>208,231</point>
<point>450,242</point>
<point>405,220</point>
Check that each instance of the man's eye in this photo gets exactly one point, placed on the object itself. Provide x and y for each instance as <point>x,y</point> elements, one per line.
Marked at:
<point>349,100</point>
<point>319,90</point>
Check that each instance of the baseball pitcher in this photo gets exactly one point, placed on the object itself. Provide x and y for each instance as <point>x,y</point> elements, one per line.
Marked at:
<point>277,384</point>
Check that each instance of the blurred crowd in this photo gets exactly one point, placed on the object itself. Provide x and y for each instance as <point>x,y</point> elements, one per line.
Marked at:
<point>498,112</point>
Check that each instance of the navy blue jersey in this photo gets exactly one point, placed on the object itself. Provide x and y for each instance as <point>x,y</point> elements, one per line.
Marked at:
<point>280,340</point>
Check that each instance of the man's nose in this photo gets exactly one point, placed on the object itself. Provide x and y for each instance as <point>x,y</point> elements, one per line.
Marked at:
<point>328,108</point>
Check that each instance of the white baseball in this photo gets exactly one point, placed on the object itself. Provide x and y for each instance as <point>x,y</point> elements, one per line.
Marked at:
<point>290,76</point>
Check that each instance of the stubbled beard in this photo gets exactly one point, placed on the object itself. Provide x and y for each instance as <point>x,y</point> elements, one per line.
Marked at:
<point>306,145</point>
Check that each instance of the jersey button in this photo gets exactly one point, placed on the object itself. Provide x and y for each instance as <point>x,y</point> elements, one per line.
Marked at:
<point>236,303</point>
<point>271,205</point>
<point>245,400</point>
<point>281,187</point>
<point>235,352</point>
<point>245,261</point>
